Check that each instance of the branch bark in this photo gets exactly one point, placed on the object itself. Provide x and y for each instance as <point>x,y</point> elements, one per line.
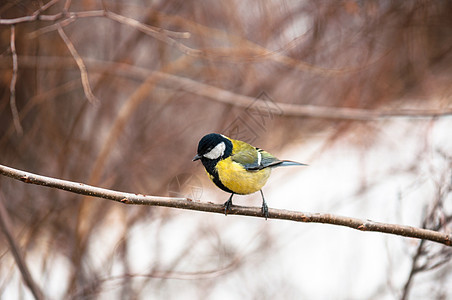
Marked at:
<point>186,203</point>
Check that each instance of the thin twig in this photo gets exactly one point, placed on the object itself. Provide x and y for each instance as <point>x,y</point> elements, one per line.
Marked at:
<point>200,275</point>
<point>45,7</point>
<point>50,28</point>
<point>6,228</point>
<point>159,33</point>
<point>31,18</point>
<point>64,16</point>
<point>185,203</point>
<point>413,271</point>
<point>52,18</point>
<point>81,65</point>
<point>252,52</point>
<point>12,87</point>
<point>67,4</point>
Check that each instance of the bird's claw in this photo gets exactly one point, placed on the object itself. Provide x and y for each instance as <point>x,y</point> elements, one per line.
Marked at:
<point>265,210</point>
<point>227,206</point>
<point>264,206</point>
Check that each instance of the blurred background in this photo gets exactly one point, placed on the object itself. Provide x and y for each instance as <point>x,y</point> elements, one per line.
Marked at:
<point>117,94</point>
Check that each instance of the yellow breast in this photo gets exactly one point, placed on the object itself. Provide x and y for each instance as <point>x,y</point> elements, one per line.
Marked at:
<point>239,180</point>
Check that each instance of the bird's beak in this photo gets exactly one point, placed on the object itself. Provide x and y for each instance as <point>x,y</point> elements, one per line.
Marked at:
<point>197,156</point>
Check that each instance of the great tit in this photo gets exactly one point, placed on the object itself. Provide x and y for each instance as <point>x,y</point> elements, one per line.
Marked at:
<point>237,167</point>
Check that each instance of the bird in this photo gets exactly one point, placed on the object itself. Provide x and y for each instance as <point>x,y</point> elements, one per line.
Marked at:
<point>237,167</point>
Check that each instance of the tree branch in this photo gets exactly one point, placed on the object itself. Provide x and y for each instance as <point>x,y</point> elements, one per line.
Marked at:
<point>228,97</point>
<point>186,203</point>
<point>252,51</point>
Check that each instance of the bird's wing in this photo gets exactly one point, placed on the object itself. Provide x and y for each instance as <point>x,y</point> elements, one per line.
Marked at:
<point>268,160</point>
<point>252,158</point>
<point>244,153</point>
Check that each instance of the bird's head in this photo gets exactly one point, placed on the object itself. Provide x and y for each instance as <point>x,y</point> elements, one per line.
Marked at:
<point>213,146</point>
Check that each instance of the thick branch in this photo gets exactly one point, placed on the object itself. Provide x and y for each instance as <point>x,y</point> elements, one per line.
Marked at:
<point>185,203</point>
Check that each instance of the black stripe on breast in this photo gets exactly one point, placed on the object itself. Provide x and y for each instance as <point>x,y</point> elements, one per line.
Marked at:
<point>210,164</point>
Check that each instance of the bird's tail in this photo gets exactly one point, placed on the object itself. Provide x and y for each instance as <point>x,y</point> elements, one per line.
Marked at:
<point>285,163</point>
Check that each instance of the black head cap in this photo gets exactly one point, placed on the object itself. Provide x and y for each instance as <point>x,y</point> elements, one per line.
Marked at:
<point>209,142</point>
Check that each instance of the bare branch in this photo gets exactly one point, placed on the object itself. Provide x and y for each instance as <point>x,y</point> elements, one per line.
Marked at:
<point>66,17</point>
<point>185,203</point>
<point>50,28</point>
<point>6,228</point>
<point>52,18</point>
<point>45,7</point>
<point>225,96</point>
<point>12,87</point>
<point>81,65</point>
<point>413,271</point>
<point>35,16</point>
<point>424,259</point>
<point>156,32</point>
<point>297,110</point>
<point>67,4</point>
<point>252,52</point>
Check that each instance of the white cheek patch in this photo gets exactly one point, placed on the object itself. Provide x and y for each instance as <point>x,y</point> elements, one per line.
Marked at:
<point>216,152</point>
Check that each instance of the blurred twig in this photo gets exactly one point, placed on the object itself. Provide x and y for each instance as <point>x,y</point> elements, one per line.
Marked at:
<point>185,203</point>
<point>67,4</point>
<point>127,109</point>
<point>228,97</point>
<point>36,15</point>
<point>69,17</point>
<point>425,258</point>
<point>199,275</point>
<point>12,87</point>
<point>6,228</point>
<point>81,65</point>
<point>45,6</point>
<point>52,18</point>
<point>251,51</point>
<point>151,30</point>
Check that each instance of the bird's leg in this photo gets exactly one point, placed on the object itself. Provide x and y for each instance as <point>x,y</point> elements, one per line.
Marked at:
<point>227,205</point>
<point>264,206</point>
